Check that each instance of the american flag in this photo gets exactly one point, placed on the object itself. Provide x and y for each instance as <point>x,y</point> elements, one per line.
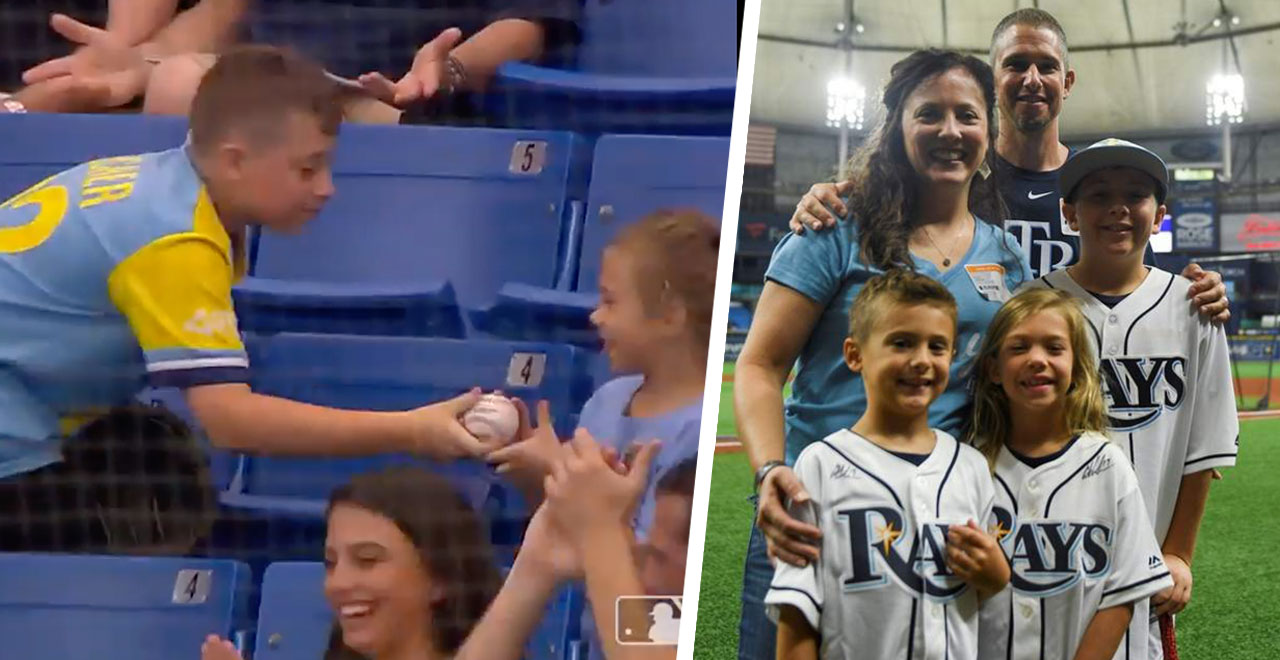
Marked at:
<point>760,143</point>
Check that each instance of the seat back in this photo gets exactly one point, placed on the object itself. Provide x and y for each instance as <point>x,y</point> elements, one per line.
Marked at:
<point>634,175</point>
<point>37,145</point>
<point>399,373</point>
<point>475,207</point>
<point>294,619</point>
<point>677,38</point>
<point>117,608</point>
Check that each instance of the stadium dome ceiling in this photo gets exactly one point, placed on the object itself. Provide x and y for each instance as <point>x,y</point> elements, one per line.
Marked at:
<point>1132,77</point>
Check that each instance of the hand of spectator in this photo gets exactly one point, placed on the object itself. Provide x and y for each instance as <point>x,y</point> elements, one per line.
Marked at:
<point>585,490</point>
<point>437,429</point>
<point>428,75</point>
<point>547,544</point>
<point>818,209</point>
<point>1173,600</point>
<point>529,459</point>
<point>105,71</point>
<point>1208,293</point>
<point>786,538</point>
<point>975,557</point>
<point>217,648</point>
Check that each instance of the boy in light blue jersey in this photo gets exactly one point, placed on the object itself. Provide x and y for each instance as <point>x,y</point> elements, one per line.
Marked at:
<point>118,272</point>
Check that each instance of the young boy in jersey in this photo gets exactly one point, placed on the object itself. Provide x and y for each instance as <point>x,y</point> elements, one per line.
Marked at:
<point>902,507</point>
<point>1068,511</point>
<point>119,271</point>
<point>1166,370</point>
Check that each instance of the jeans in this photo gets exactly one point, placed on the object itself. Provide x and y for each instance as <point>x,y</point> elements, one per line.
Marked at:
<point>757,634</point>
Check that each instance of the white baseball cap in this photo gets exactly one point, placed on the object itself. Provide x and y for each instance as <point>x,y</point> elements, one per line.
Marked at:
<point>1112,152</point>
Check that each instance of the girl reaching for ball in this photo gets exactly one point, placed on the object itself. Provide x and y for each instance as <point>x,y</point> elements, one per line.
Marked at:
<point>657,284</point>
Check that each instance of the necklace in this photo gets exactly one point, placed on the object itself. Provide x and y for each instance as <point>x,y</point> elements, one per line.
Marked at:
<point>946,258</point>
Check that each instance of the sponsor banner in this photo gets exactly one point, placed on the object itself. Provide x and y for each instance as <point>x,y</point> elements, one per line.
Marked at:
<point>1253,348</point>
<point>1195,227</point>
<point>1250,232</point>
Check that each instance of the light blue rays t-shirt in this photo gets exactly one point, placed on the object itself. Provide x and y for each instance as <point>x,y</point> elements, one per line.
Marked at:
<point>826,268</point>
<point>605,417</point>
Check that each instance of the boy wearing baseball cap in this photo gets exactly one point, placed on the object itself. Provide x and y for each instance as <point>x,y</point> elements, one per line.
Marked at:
<point>1166,369</point>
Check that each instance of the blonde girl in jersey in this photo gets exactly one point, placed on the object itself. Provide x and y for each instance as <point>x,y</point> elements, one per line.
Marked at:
<point>1068,511</point>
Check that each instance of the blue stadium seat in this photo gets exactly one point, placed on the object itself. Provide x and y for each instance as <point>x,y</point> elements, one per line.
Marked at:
<point>632,175</point>
<point>294,619</point>
<point>417,207</point>
<point>559,631</point>
<point>54,607</point>
<point>39,145</point>
<point>658,66</point>
<point>394,373</point>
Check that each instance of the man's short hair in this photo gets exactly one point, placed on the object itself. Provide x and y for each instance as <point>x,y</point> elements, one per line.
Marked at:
<point>898,286</point>
<point>1032,18</point>
<point>254,88</point>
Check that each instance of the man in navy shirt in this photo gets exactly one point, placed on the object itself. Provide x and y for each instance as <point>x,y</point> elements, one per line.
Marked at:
<point>1033,78</point>
<point>459,44</point>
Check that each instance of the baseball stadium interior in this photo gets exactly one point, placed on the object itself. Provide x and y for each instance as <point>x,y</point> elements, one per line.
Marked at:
<point>451,257</point>
<point>1192,80</point>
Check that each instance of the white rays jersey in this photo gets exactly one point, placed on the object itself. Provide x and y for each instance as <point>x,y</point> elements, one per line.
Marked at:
<point>881,588</point>
<point>1076,532</point>
<point>1167,375</point>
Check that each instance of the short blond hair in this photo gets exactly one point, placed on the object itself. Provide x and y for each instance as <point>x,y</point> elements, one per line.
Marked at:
<point>898,286</point>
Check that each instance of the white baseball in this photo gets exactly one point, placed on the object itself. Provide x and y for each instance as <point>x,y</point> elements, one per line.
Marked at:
<point>493,419</point>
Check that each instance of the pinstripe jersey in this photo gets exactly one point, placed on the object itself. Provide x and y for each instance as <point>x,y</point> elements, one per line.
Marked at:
<point>110,272</point>
<point>1167,374</point>
<point>881,588</point>
<point>1078,539</point>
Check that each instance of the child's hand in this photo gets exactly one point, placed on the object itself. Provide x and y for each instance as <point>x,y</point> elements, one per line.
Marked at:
<point>585,489</point>
<point>546,544</point>
<point>529,460</point>
<point>1175,598</point>
<point>975,557</point>
<point>217,648</point>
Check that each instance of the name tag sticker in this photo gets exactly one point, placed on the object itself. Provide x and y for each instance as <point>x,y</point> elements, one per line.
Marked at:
<point>988,279</point>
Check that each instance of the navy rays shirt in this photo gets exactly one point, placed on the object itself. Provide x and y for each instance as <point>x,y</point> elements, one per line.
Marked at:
<point>1036,220</point>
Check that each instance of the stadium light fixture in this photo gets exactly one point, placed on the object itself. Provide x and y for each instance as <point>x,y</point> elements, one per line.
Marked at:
<point>1224,99</point>
<point>846,103</point>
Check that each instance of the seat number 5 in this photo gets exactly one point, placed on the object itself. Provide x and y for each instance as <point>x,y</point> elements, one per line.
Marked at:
<point>51,203</point>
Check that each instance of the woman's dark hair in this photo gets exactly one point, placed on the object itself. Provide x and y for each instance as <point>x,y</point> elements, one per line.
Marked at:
<point>883,198</point>
<point>452,542</point>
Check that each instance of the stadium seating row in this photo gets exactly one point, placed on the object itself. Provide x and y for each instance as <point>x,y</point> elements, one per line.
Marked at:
<point>428,224</point>
<point>54,607</point>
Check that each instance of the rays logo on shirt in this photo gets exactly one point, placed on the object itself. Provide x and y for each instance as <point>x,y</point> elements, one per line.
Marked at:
<point>1140,389</point>
<point>1049,556</point>
<point>877,537</point>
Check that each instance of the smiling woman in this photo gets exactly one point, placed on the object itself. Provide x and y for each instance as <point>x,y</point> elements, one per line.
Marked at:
<point>921,197</point>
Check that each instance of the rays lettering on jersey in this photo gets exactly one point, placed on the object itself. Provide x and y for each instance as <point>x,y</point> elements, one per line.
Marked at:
<point>876,535</point>
<point>1048,556</point>
<point>1047,254</point>
<point>1140,389</point>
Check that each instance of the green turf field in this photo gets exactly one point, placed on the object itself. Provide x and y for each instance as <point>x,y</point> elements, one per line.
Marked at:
<point>1258,370</point>
<point>1233,610</point>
